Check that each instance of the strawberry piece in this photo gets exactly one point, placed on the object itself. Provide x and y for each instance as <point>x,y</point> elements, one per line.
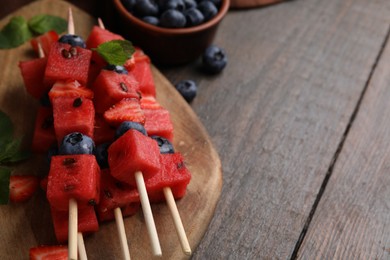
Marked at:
<point>128,109</point>
<point>149,102</point>
<point>49,253</point>
<point>45,40</point>
<point>69,88</point>
<point>22,187</point>
<point>138,56</point>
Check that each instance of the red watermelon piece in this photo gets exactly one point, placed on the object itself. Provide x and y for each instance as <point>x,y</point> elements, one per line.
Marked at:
<point>63,65</point>
<point>73,114</point>
<point>86,221</point>
<point>133,152</point>
<point>103,132</point>
<point>173,174</point>
<point>46,40</point>
<point>96,37</point>
<point>44,136</point>
<point>115,194</point>
<point>111,87</point>
<point>33,73</point>
<point>127,211</point>
<point>73,176</point>
<point>128,109</point>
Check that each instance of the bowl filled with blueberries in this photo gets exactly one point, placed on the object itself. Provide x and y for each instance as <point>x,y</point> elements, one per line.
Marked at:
<point>171,32</point>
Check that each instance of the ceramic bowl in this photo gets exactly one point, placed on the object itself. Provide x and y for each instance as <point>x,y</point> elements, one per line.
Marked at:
<point>171,46</point>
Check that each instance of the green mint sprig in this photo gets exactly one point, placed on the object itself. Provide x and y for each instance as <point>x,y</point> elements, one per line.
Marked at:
<point>18,30</point>
<point>115,52</point>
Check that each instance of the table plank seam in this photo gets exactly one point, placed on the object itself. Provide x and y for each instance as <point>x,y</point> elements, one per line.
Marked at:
<point>339,148</point>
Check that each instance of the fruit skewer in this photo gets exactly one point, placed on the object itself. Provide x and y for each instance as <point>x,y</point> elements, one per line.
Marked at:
<point>146,208</point>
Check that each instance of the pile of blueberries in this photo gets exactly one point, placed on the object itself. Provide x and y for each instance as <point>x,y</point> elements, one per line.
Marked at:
<point>173,13</point>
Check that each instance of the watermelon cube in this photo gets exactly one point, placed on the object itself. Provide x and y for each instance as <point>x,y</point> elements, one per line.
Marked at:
<point>67,62</point>
<point>73,114</point>
<point>103,132</point>
<point>133,152</point>
<point>44,136</point>
<point>115,194</point>
<point>73,176</point>
<point>141,69</point>
<point>173,174</point>
<point>98,36</point>
<point>33,73</point>
<point>127,211</point>
<point>86,221</point>
<point>46,40</point>
<point>111,87</point>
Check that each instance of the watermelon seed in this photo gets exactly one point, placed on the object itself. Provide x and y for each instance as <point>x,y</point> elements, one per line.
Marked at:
<point>180,165</point>
<point>48,122</point>
<point>123,86</point>
<point>107,193</point>
<point>92,202</point>
<point>69,161</point>
<point>77,102</point>
<point>73,51</point>
<point>66,54</point>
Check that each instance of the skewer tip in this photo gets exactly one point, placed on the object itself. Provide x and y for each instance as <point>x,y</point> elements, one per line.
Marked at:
<point>70,21</point>
<point>101,24</point>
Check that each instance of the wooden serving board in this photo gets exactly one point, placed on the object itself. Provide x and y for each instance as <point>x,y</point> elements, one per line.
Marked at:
<point>252,3</point>
<point>29,224</point>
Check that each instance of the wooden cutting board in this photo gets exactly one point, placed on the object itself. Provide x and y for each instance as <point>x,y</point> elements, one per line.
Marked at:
<point>252,3</point>
<point>29,224</point>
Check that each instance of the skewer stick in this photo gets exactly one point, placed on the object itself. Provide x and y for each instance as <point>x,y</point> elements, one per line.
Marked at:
<point>41,53</point>
<point>70,21</point>
<point>177,220</point>
<point>151,227</point>
<point>101,24</point>
<point>72,232</point>
<point>81,246</point>
<point>122,233</point>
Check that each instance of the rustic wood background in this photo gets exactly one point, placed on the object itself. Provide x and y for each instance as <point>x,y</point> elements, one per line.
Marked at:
<point>300,120</point>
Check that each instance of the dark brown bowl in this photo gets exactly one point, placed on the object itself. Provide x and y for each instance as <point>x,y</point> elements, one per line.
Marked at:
<point>166,45</point>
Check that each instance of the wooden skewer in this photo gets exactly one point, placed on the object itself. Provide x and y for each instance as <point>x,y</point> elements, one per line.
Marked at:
<point>70,21</point>
<point>122,233</point>
<point>150,225</point>
<point>177,221</point>
<point>81,246</point>
<point>101,24</point>
<point>72,232</point>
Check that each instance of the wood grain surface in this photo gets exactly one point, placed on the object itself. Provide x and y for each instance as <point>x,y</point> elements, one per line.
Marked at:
<point>352,220</point>
<point>29,224</point>
<point>277,115</point>
<point>252,3</point>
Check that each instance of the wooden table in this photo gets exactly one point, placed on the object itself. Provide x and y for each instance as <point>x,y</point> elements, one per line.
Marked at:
<point>301,120</point>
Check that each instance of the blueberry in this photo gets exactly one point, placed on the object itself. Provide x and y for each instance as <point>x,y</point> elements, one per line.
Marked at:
<point>171,4</point>
<point>190,4</point>
<point>102,155</point>
<point>127,125</point>
<point>146,8</point>
<point>117,68</point>
<point>73,40</point>
<point>172,19</point>
<point>151,20</point>
<point>188,89</point>
<point>208,9</point>
<point>164,144</point>
<point>214,59</point>
<point>129,4</point>
<point>77,143</point>
<point>217,3</point>
<point>193,17</point>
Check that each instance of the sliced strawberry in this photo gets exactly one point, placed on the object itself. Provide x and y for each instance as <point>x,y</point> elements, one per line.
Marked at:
<point>128,109</point>
<point>149,103</point>
<point>70,88</point>
<point>138,56</point>
<point>49,253</point>
<point>45,40</point>
<point>22,187</point>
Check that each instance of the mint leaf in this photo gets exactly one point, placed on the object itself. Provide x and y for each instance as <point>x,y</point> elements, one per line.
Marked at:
<point>15,33</point>
<point>116,52</point>
<point>43,23</point>
<point>11,152</point>
<point>7,129</point>
<point>5,174</point>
